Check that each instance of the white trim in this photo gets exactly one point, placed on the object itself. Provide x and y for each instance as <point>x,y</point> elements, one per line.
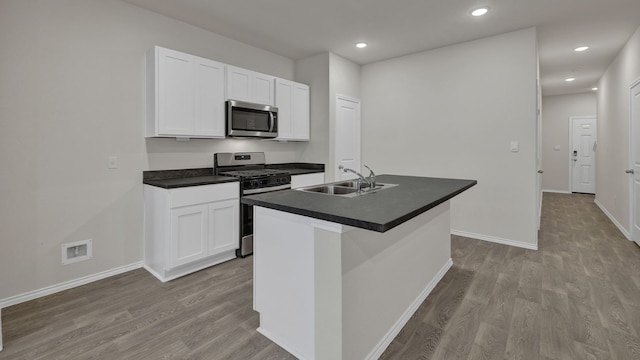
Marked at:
<point>595,121</point>
<point>497,240</point>
<point>17,299</point>
<point>402,321</point>
<point>556,191</point>
<point>613,220</point>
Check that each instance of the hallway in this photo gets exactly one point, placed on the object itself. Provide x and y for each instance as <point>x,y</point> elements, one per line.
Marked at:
<point>577,297</point>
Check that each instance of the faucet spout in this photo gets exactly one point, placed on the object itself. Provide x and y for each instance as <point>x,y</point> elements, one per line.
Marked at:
<point>371,180</point>
<point>371,177</point>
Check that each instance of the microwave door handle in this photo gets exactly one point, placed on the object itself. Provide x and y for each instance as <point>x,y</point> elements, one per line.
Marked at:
<point>271,121</point>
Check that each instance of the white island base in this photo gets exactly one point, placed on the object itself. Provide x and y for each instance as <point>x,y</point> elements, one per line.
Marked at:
<point>331,291</point>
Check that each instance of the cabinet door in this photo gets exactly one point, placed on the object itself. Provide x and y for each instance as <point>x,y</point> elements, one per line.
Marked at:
<point>284,99</point>
<point>262,88</point>
<point>238,84</point>
<point>224,226</point>
<point>189,234</point>
<point>175,93</point>
<point>301,112</point>
<point>209,99</point>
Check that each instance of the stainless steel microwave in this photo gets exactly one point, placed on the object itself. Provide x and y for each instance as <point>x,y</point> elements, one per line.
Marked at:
<point>251,120</point>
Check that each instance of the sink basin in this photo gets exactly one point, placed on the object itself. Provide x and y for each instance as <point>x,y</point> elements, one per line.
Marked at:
<point>345,188</point>
<point>330,189</point>
<point>353,184</point>
<point>363,186</point>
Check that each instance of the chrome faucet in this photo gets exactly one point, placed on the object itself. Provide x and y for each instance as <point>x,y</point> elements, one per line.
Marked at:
<point>371,180</point>
<point>371,177</point>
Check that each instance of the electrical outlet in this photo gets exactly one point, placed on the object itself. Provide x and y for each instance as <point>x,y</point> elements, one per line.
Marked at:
<point>113,162</point>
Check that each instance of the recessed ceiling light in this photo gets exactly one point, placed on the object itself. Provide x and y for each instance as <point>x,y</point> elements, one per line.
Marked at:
<point>569,79</point>
<point>479,11</point>
<point>594,88</point>
<point>581,48</point>
<point>361,45</point>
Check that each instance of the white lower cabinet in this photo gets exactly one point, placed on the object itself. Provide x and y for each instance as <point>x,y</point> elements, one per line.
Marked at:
<point>298,181</point>
<point>188,235</point>
<point>190,228</point>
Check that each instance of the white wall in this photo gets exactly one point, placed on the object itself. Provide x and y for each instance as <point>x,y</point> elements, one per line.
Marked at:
<point>556,111</point>
<point>452,112</point>
<point>314,71</point>
<point>71,95</point>
<point>612,157</point>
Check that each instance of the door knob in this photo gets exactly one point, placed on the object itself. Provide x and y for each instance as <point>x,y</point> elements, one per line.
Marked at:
<point>540,171</point>
<point>630,171</point>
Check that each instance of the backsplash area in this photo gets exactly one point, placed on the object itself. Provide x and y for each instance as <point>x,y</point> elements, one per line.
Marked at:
<point>169,153</point>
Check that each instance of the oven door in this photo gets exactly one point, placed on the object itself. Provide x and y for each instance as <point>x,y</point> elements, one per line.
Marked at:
<point>246,219</point>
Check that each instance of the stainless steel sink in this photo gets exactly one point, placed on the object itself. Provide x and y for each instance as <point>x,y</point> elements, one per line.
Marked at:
<point>330,189</point>
<point>345,188</point>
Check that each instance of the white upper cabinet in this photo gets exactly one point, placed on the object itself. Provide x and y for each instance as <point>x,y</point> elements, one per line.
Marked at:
<point>250,86</point>
<point>292,101</point>
<point>185,95</point>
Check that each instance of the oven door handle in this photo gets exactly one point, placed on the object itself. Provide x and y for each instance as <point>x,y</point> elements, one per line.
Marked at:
<point>267,189</point>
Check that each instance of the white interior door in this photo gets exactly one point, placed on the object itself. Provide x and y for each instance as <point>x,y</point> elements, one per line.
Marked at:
<point>347,136</point>
<point>539,157</point>
<point>634,171</point>
<point>582,157</point>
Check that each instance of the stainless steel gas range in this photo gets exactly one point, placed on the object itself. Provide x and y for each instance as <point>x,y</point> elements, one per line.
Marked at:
<point>255,178</point>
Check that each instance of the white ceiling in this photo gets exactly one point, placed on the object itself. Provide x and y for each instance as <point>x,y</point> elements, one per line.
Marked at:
<point>300,28</point>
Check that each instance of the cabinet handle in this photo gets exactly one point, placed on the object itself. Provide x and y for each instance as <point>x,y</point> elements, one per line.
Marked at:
<point>630,171</point>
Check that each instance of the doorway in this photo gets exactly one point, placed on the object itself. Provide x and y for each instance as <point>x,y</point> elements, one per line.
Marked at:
<point>347,136</point>
<point>634,159</point>
<point>582,159</point>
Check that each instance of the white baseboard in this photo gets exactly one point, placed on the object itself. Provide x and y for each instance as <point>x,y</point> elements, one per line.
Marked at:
<point>556,191</point>
<point>17,299</point>
<point>402,321</point>
<point>497,240</point>
<point>615,222</point>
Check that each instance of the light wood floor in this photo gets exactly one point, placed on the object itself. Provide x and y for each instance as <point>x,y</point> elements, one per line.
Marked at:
<point>578,297</point>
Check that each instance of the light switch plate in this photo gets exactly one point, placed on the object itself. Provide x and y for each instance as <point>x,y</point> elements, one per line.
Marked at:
<point>515,147</point>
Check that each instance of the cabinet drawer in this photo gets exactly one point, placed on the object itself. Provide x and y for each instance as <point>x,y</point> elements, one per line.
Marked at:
<point>203,194</point>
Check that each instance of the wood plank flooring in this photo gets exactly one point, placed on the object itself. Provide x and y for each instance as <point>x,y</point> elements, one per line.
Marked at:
<point>577,297</point>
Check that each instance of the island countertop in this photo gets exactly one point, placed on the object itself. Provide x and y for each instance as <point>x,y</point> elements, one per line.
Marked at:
<point>378,211</point>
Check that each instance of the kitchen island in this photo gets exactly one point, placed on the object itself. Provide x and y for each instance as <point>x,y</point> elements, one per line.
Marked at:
<point>338,277</point>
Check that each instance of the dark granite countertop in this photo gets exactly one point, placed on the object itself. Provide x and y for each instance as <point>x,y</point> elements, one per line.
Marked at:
<point>298,168</point>
<point>170,179</point>
<point>190,181</point>
<point>378,211</point>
